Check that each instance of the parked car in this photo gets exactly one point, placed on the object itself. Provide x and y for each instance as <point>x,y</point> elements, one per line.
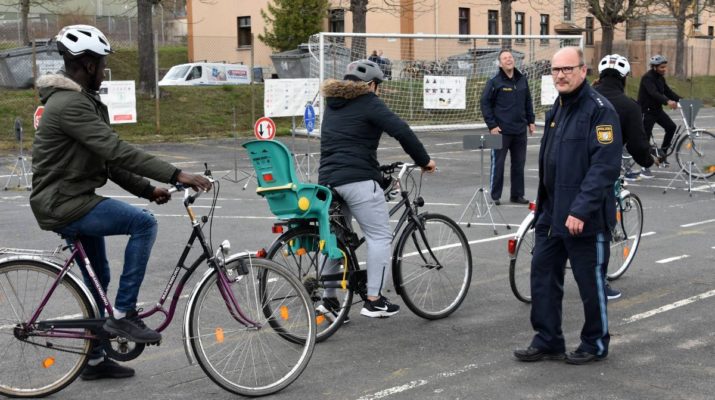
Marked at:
<point>205,73</point>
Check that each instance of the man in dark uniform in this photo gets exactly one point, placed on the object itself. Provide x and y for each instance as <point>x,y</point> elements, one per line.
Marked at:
<point>508,110</point>
<point>579,161</point>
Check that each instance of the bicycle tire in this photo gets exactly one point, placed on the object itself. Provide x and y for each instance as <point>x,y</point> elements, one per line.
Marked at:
<point>39,365</point>
<point>520,265</point>
<point>699,148</point>
<point>423,284</point>
<point>624,243</point>
<point>297,250</point>
<point>246,360</point>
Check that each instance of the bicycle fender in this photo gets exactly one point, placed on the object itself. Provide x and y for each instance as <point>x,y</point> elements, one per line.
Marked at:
<point>56,266</point>
<point>186,333</point>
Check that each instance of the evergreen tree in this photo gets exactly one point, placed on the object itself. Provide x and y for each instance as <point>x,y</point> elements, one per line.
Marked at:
<point>291,22</point>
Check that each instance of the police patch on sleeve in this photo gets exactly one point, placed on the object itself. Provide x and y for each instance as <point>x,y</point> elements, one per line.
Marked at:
<point>604,134</point>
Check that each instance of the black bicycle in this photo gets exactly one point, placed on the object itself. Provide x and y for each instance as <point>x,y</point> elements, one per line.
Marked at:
<point>431,264</point>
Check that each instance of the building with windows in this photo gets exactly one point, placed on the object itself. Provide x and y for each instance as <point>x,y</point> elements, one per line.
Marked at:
<point>227,30</point>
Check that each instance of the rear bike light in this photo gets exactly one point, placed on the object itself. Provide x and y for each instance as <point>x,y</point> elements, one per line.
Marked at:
<point>268,177</point>
<point>532,206</point>
<point>277,228</point>
<point>511,246</point>
<point>261,253</point>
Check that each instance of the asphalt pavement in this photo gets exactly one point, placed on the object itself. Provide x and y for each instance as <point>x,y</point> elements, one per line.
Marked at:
<point>662,330</point>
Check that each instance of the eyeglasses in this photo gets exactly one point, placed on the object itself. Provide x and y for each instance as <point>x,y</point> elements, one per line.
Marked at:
<point>565,70</point>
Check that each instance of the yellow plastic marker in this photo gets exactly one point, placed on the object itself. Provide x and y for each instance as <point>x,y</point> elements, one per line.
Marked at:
<point>284,313</point>
<point>303,203</point>
<point>48,362</point>
<point>219,335</point>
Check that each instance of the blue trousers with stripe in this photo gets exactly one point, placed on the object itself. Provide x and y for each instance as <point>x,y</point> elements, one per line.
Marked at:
<point>588,257</point>
<point>516,146</point>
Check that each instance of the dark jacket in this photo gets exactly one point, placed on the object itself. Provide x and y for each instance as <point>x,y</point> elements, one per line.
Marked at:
<point>350,133</point>
<point>579,161</point>
<point>75,151</point>
<point>654,93</point>
<point>506,103</point>
<point>629,115</point>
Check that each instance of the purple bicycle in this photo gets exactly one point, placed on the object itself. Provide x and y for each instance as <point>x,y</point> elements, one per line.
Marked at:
<point>249,323</point>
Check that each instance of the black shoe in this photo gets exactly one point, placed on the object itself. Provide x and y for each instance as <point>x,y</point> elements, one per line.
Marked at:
<point>132,328</point>
<point>107,369</point>
<point>496,202</point>
<point>519,200</point>
<point>330,309</point>
<point>581,357</point>
<point>536,354</point>
<point>380,308</point>
<point>612,293</point>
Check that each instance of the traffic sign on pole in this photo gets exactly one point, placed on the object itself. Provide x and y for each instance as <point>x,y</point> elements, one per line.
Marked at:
<point>37,116</point>
<point>309,118</point>
<point>264,129</point>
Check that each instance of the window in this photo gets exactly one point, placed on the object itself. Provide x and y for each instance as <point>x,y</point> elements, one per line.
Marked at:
<point>710,31</point>
<point>194,74</point>
<point>244,32</point>
<point>337,23</point>
<point>519,25</point>
<point>589,31</point>
<point>464,21</point>
<point>544,27</point>
<point>568,6</point>
<point>493,24</point>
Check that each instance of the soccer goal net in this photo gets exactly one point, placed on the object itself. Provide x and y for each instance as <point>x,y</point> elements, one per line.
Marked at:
<point>434,82</point>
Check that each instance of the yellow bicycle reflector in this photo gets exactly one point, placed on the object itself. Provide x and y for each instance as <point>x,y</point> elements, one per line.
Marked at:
<point>303,203</point>
<point>219,335</point>
<point>321,244</point>
<point>319,319</point>
<point>284,313</point>
<point>689,145</point>
<point>626,251</point>
<point>710,168</point>
<point>301,251</point>
<point>618,216</point>
<point>48,362</point>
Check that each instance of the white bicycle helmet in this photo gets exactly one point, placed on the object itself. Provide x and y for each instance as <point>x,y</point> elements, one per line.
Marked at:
<point>657,60</point>
<point>76,40</point>
<point>617,62</point>
<point>365,70</point>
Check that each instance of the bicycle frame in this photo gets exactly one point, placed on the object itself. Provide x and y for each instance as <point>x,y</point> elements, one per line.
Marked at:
<point>61,328</point>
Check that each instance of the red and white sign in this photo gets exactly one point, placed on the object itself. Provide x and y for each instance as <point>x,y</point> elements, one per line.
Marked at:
<point>264,129</point>
<point>37,116</point>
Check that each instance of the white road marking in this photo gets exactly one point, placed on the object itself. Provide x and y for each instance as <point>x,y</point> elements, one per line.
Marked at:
<point>669,307</point>
<point>648,234</point>
<point>671,259</point>
<point>697,223</point>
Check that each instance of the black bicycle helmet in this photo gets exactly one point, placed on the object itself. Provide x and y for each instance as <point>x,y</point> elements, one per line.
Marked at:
<point>365,70</point>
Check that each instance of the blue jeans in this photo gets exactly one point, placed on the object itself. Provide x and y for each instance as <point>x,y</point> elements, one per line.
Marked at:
<point>113,217</point>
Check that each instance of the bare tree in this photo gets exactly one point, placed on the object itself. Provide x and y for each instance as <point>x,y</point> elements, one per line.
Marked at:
<point>682,11</point>
<point>145,26</point>
<point>24,11</point>
<point>610,13</point>
<point>506,21</point>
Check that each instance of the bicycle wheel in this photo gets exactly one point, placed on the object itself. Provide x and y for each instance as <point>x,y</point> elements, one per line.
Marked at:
<point>699,148</point>
<point>32,362</point>
<point>626,235</point>
<point>246,360</point>
<point>520,265</point>
<point>299,252</point>
<point>433,266</point>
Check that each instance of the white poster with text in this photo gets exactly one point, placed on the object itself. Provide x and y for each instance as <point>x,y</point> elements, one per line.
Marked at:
<point>121,101</point>
<point>288,97</point>
<point>548,91</point>
<point>445,92</point>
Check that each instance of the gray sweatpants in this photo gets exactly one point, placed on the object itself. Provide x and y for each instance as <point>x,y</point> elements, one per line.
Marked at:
<point>366,202</point>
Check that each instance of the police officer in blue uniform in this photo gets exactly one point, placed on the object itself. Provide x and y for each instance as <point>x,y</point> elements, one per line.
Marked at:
<point>579,162</point>
<point>508,110</point>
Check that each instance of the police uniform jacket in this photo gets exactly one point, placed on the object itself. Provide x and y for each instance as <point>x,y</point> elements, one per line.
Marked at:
<point>579,162</point>
<point>506,103</point>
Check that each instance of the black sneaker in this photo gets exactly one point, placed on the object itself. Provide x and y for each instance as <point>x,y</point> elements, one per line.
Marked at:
<point>519,200</point>
<point>380,308</point>
<point>330,308</point>
<point>612,293</point>
<point>132,328</point>
<point>107,369</point>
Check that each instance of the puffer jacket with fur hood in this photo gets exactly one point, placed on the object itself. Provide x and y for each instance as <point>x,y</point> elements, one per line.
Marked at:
<point>76,150</point>
<point>354,121</point>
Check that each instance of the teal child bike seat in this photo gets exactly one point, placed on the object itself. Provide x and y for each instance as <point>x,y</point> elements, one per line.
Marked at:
<point>287,197</point>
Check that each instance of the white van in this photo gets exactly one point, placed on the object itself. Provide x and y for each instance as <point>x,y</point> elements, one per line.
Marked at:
<point>205,73</point>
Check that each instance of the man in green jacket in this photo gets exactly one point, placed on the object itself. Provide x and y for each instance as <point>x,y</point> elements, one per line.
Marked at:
<point>75,151</point>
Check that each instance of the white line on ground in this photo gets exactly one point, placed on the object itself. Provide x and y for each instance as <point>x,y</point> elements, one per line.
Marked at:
<point>669,307</point>
<point>648,234</point>
<point>697,223</point>
<point>671,259</point>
